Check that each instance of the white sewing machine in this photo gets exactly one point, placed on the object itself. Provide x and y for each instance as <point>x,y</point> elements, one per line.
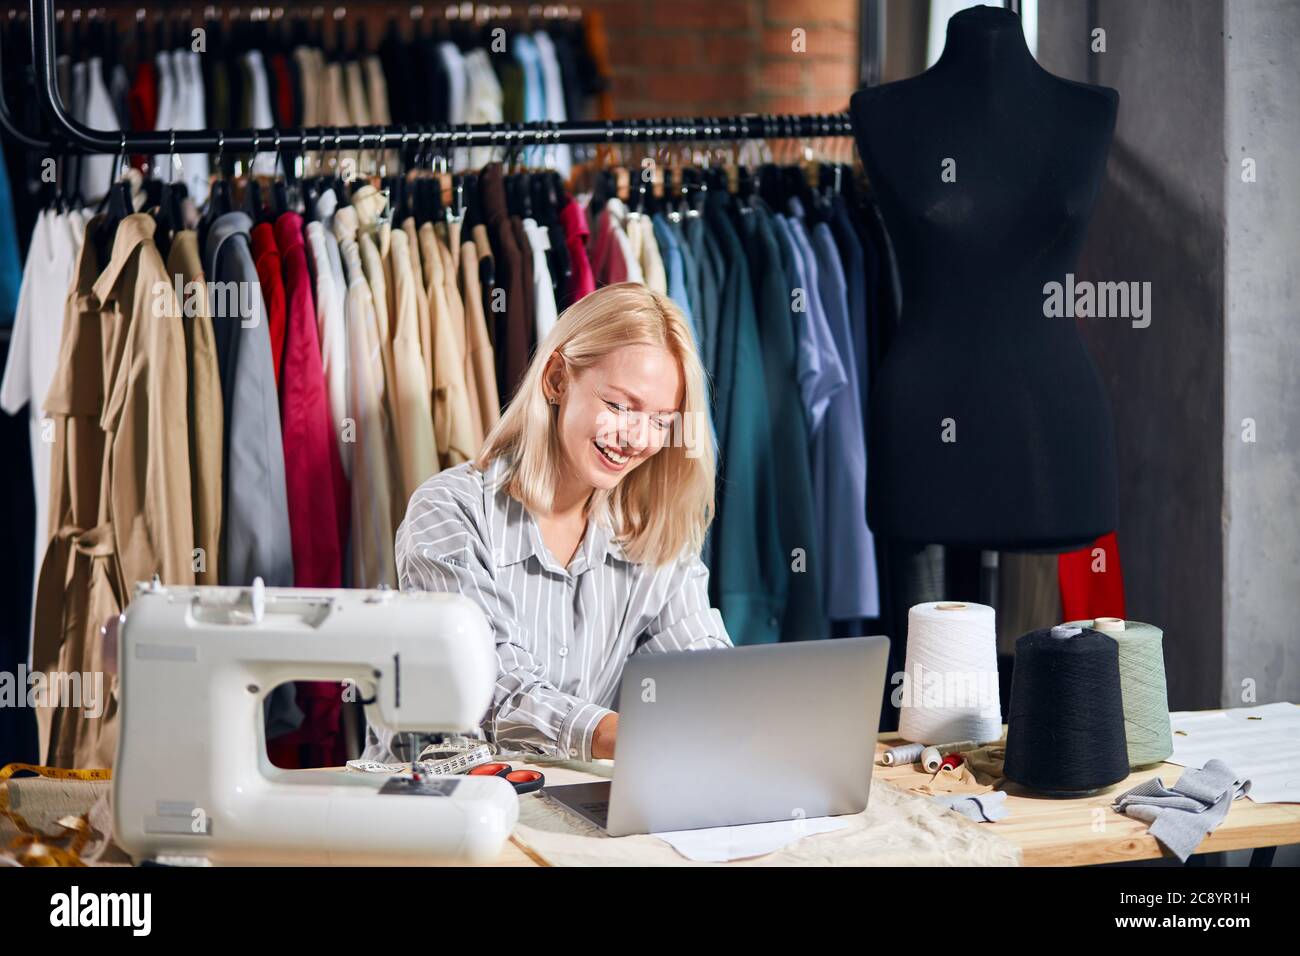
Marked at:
<point>192,781</point>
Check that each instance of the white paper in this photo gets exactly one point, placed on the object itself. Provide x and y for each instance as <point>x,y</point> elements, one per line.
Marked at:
<point>719,844</point>
<point>1261,744</point>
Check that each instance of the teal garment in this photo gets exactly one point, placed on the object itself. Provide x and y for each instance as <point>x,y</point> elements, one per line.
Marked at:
<point>690,269</point>
<point>11,266</point>
<point>704,254</point>
<point>804,617</point>
<point>749,569</point>
<point>704,248</point>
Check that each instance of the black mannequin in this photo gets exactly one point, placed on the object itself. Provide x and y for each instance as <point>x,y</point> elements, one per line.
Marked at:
<point>1032,466</point>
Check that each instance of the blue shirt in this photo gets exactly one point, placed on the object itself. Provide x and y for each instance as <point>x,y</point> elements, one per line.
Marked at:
<point>839,447</point>
<point>821,374</point>
<point>670,251</point>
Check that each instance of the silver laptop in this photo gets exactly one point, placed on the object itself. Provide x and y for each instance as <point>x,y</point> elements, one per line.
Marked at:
<point>740,735</point>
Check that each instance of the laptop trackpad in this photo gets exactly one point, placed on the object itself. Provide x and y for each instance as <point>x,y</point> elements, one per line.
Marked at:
<point>589,800</point>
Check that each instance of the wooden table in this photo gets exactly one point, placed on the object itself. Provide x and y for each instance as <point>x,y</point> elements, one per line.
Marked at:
<point>1054,831</point>
<point>1083,831</point>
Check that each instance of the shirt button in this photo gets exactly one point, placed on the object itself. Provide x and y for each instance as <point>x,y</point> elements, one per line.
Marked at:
<point>573,752</point>
<point>564,652</point>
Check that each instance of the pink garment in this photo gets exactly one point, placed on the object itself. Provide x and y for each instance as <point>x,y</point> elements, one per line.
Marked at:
<point>581,279</point>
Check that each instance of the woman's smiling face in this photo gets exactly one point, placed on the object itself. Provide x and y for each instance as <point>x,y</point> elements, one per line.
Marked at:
<point>614,415</point>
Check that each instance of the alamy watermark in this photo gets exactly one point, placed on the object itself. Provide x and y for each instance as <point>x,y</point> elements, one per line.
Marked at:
<point>1098,300</point>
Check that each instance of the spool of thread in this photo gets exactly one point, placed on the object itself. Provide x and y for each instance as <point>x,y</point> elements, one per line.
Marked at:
<point>1065,724</point>
<point>1142,685</point>
<point>951,674</point>
<point>932,757</point>
<point>899,756</point>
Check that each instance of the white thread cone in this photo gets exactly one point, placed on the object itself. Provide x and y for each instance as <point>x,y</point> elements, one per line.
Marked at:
<point>950,691</point>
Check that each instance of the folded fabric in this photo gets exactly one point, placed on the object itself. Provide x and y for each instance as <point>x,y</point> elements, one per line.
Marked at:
<point>1181,817</point>
<point>980,807</point>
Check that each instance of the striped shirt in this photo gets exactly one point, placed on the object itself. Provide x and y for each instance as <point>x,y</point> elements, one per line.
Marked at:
<point>562,634</point>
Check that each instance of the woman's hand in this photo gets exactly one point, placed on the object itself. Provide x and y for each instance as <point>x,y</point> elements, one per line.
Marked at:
<point>602,742</point>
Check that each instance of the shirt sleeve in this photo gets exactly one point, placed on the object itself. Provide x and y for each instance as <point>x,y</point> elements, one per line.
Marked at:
<point>687,621</point>
<point>438,549</point>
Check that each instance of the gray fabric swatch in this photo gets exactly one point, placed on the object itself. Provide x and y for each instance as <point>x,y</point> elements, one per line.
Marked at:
<point>980,807</point>
<point>1181,817</point>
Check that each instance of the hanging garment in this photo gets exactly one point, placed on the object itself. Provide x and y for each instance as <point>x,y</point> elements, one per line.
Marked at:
<point>11,263</point>
<point>613,258</point>
<point>553,90</point>
<point>530,298</point>
<point>690,273</point>
<point>674,269</point>
<point>74,407</point>
<point>804,617</point>
<point>1092,581</point>
<point>423,324</point>
<point>165,118</point>
<point>525,52</point>
<point>821,373</point>
<point>259,110</point>
<point>433,295</point>
<point>371,541</point>
<point>374,246</point>
<point>97,170</point>
<point>640,233</point>
<point>545,315</point>
<point>1028,594</point>
<point>840,459</point>
<point>317,493</point>
<point>704,249</point>
<point>453,424</point>
<point>191,114</point>
<point>146,414</point>
<point>331,332</point>
<point>480,360</point>
<point>34,348</point>
<point>861,317</point>
<point>509,299</point>
<point>144,525</point>
<point>255,539</point>
<point>482,100</point>
<point>204,405</point>
<point>309,86</point>
<point>419,457</point>
<point>749,570</point>
<point>266,259</point>
<point>581,281</point>
<point>142,99</point>
<point>457,96</point>
<point>118,86</point>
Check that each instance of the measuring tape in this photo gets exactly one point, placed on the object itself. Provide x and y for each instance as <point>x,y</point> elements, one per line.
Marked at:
<point>30,846</point>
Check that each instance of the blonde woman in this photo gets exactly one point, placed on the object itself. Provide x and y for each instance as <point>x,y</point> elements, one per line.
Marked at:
<point>579,527</point>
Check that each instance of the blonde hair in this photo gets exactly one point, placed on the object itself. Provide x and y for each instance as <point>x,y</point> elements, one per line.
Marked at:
<point>660,511</point>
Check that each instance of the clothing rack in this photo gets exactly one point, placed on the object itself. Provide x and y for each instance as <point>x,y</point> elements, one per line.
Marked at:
<point>648,131</point>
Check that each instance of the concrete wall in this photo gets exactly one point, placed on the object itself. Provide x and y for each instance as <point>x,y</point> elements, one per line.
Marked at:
<point>1160,219</point>
<point>1261,508</point>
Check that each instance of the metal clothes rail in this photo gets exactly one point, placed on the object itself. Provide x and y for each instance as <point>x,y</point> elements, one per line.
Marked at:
<point>508,135</point>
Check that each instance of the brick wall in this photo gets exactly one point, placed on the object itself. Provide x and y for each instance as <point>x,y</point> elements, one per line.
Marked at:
<point>689,57</point>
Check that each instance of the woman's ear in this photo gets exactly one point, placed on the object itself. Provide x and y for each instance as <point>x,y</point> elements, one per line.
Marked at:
<point>554,378</point>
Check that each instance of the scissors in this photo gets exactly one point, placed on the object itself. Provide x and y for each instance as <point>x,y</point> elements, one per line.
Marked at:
<point>524,781</point>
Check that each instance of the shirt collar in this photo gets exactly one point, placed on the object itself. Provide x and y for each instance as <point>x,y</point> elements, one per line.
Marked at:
<point>522,536</point>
